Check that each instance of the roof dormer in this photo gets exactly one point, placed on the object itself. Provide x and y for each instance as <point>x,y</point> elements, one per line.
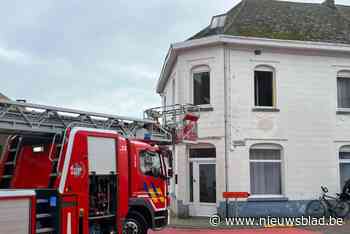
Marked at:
<point>329,3</point>
<point>218,21</point>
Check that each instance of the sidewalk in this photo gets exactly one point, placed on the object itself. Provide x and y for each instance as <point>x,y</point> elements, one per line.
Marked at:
<point>203,224</point>
<point>193,222</point>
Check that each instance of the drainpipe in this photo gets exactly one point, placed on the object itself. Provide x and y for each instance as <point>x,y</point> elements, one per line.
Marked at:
<point>227,143</point>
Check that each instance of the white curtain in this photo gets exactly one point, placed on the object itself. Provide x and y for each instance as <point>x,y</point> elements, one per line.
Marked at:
<point>265,176</point>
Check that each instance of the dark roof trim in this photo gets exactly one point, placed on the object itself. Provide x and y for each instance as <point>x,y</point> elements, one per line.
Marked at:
<point>2,96</point>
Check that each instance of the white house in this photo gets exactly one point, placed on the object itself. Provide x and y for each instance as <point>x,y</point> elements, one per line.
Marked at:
<point>273,82</point>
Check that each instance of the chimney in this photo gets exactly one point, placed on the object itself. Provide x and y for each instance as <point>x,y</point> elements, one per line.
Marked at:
<point>329,3</point>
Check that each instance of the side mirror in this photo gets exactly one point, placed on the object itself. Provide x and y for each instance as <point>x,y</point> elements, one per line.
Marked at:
<point>170,172</point>
<point>156,172</point>
<point>168,154</point>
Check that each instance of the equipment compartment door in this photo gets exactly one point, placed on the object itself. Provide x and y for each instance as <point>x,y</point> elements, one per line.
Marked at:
<point>102,155</point>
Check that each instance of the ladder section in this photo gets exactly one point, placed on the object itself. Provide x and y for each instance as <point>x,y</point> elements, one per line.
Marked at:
<point>14,144</point>
<point>54,156</point>
<point>25,117</point>
<point>180,120</point>
<point>172,116</point>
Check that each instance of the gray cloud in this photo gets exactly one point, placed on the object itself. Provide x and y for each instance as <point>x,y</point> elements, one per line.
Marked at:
<point>96,55</point>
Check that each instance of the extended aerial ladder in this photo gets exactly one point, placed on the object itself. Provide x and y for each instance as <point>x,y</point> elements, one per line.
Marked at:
<point>159,124</point>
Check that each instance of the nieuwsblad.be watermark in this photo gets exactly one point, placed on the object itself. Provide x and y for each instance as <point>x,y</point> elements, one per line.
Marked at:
<point>270,221</point>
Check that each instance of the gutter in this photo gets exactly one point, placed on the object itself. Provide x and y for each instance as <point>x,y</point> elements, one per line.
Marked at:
<point>226,119</point>
<point>245,41</point>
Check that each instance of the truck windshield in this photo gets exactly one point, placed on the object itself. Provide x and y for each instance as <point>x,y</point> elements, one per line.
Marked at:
<point>150,163</point>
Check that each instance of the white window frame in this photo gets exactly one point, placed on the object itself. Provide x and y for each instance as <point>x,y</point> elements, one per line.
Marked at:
<point>267,147</point>
<point>196,70</point>
<point>266,68</point>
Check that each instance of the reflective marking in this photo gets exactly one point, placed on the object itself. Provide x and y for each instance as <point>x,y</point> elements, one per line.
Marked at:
<point>16,193</point>
<point>69,223</point>
<point>161,197</point>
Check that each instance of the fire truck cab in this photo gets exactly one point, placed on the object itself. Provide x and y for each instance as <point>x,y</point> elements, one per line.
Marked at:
<point>80,179</point>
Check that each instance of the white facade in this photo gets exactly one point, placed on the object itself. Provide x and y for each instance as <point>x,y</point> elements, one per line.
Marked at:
<point>305,121</point>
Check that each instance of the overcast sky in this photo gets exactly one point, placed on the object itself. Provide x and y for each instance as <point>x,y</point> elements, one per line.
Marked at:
<point>103,56</point>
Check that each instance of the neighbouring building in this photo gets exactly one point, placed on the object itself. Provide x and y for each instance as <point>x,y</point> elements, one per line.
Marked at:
<point>273,82</point>
<point>3,138</point>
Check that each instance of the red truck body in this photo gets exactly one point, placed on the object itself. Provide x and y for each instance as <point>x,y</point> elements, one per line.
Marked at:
<point>66,171</point>
<point>97,181</point>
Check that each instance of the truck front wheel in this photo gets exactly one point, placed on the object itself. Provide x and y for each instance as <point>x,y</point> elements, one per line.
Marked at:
<point>135,223</point>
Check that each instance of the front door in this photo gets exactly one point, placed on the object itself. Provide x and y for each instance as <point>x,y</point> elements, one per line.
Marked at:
<point>202,187</point>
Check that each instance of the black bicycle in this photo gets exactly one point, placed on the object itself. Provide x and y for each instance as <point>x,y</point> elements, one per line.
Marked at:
<point>327,205</point>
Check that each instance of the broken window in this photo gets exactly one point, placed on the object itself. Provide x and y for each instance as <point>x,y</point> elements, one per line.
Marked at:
<point>201,88</point>
<point>264,88</point>
<point>173,97</point>
<point>343,84</point>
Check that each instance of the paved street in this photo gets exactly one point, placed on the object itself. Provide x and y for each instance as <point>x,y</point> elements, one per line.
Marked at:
<point>314,230</point>
<point>195,225</point>
<point>239,231</point>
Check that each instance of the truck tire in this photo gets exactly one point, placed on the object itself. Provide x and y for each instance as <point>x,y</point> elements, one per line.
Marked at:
<point>135,223</point>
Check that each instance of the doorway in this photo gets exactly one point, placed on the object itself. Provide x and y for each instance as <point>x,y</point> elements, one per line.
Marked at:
<point>202,182</point>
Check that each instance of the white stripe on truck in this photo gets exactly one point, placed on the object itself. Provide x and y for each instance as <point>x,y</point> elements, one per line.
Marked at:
<point>16,193</point>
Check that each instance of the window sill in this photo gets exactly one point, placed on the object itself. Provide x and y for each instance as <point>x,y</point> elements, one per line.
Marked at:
<point>205,108</point>
<point>267,198</point>
<point>265,109</point>
<point>343,111</point>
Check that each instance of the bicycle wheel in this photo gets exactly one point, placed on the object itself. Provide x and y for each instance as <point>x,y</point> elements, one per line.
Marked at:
<point>315,209</point>
<point>341,209</point>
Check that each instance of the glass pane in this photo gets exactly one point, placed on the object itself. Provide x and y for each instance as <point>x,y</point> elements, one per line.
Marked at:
<point>265,154</point>
<point>344,155</point>
<point>203,153</point>
<point>344,173</point>
<point>265,178</point>
<point>201,88</point>
<point>149,163</point>
<point>207,183</point>
<point>343,92</point>
<point>191,181</point>
<point>263,88</point>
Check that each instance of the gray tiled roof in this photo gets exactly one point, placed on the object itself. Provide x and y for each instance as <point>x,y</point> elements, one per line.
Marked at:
<point>286,20</point>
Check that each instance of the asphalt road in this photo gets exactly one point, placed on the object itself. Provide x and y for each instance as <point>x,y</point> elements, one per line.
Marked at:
<point>345,229</point>
<point>238,231</point>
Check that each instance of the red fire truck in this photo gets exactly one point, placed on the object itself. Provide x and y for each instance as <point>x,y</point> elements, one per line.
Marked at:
<point>65,171</point>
